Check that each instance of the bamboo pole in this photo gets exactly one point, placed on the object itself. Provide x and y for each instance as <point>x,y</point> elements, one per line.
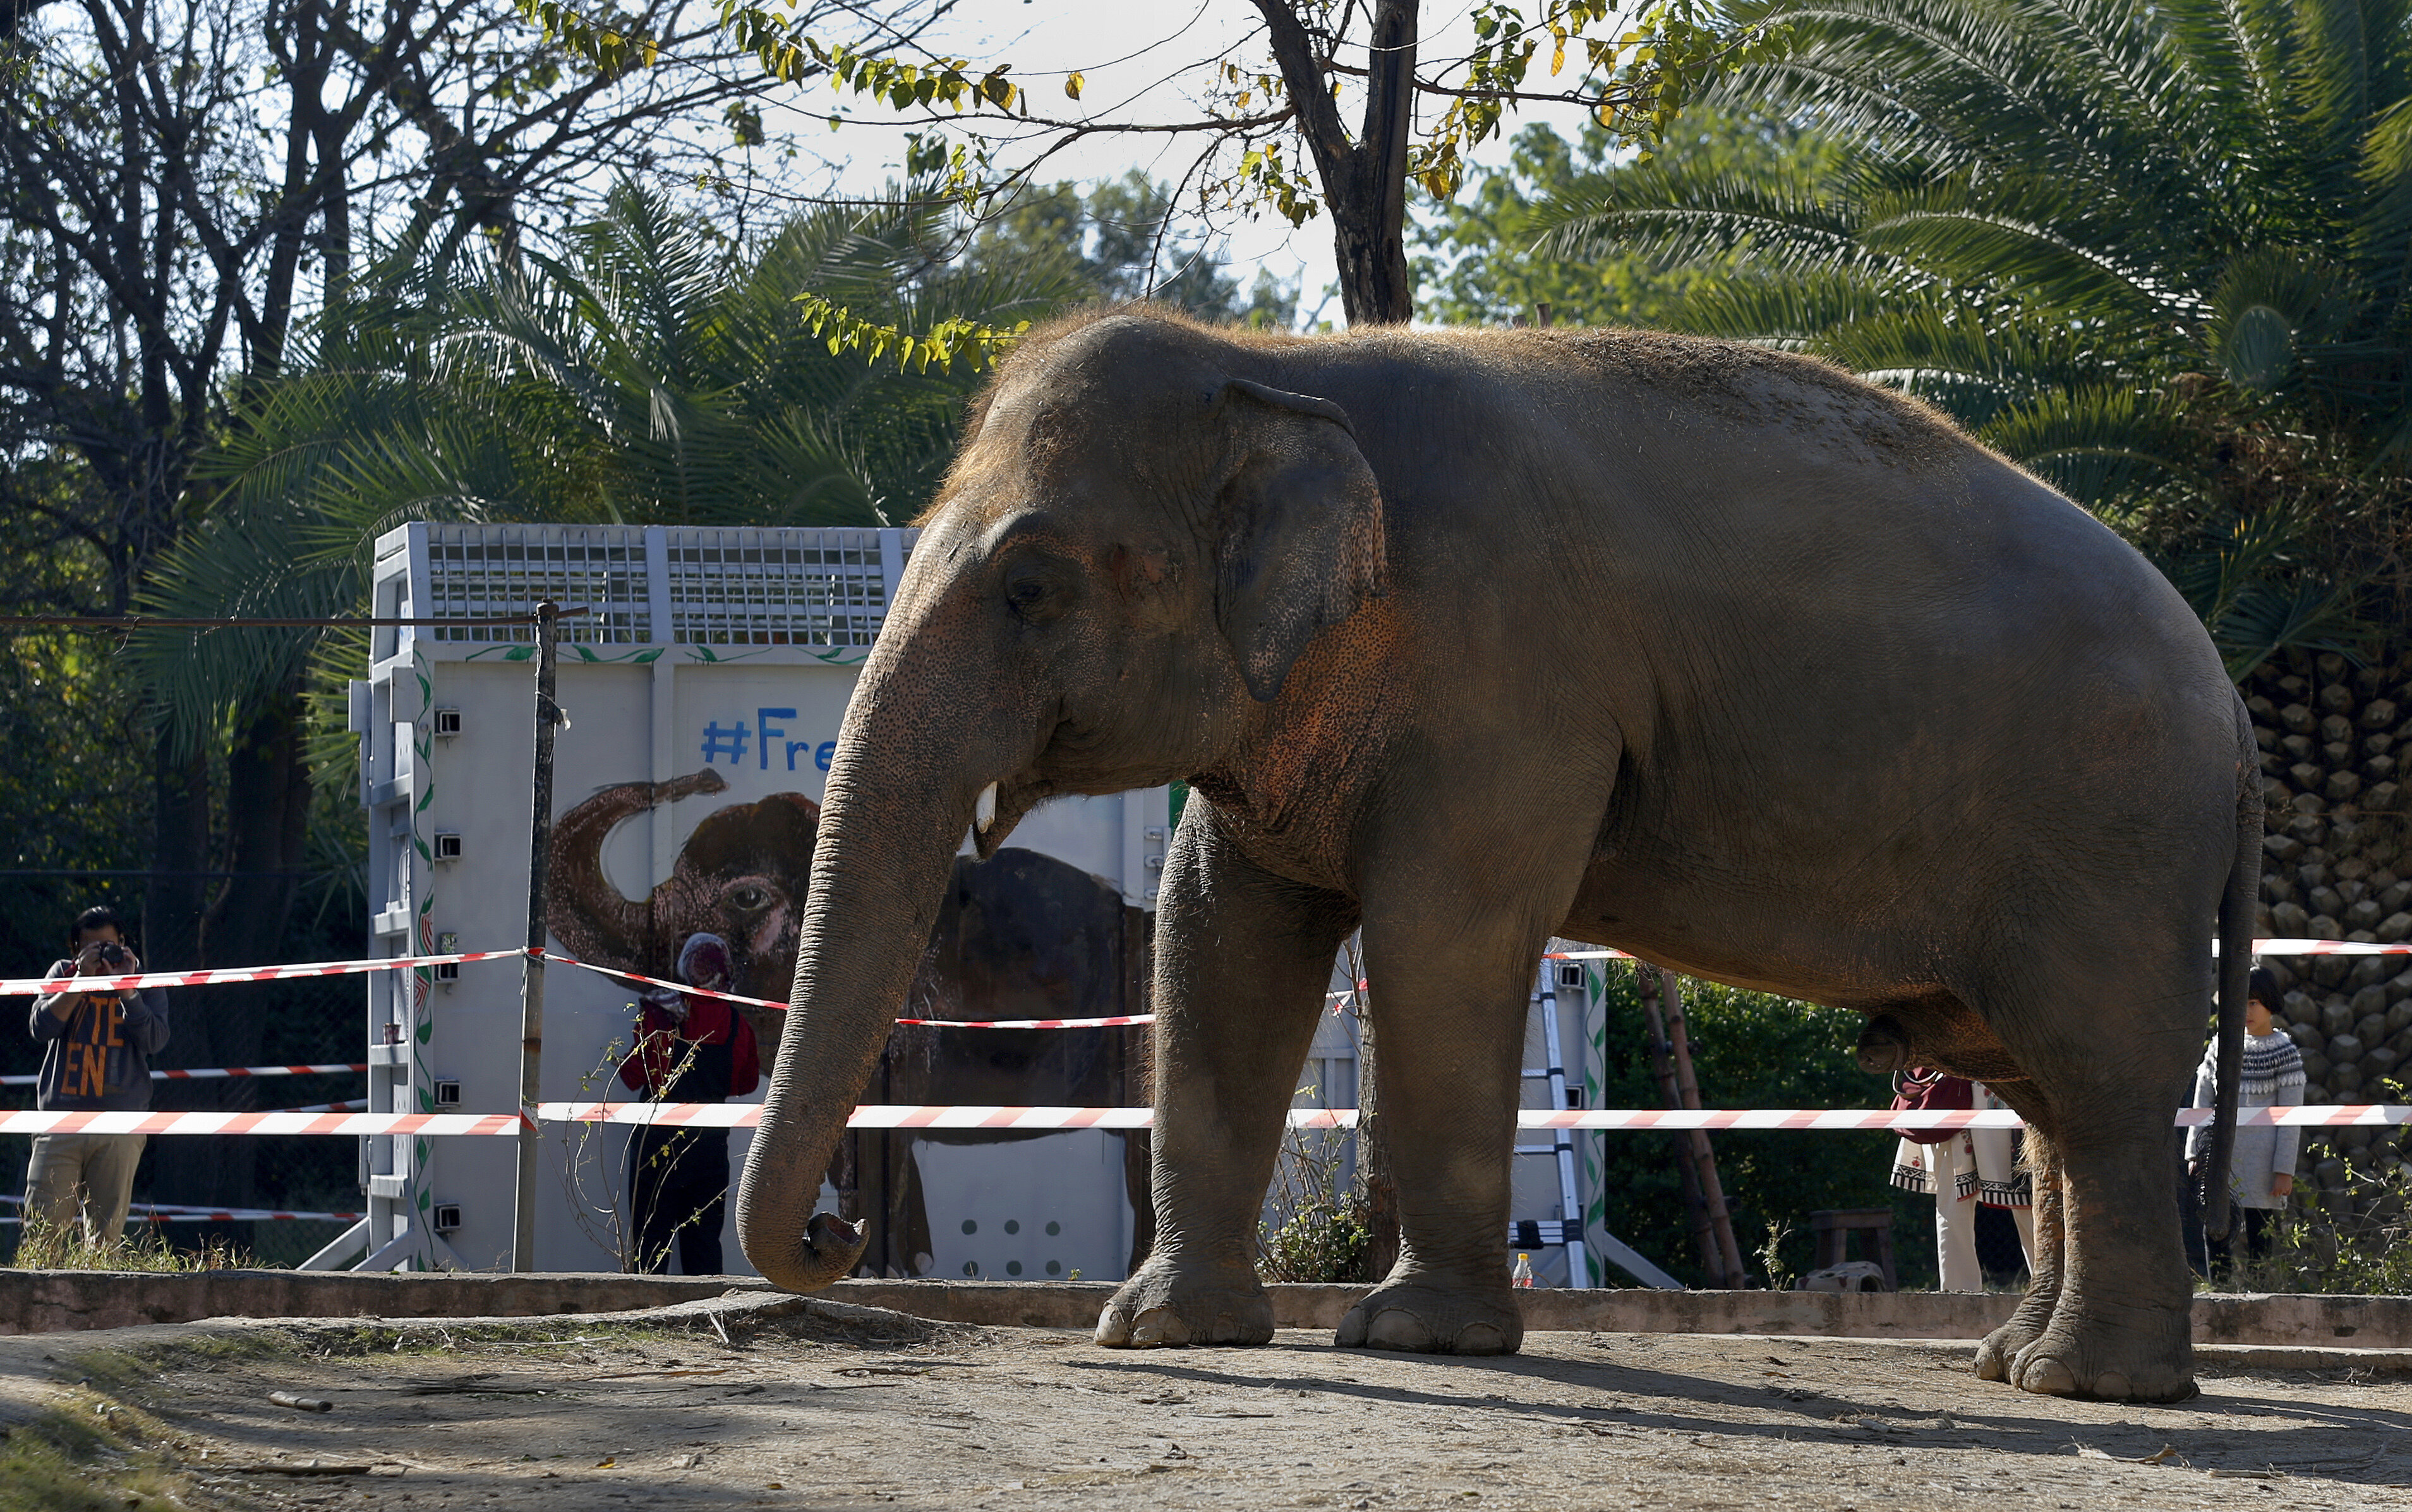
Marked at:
<point>1696,1210</point>
<point>1711,1190</point>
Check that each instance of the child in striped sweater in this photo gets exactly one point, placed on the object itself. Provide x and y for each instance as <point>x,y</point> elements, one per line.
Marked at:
<point>2261,1175</point>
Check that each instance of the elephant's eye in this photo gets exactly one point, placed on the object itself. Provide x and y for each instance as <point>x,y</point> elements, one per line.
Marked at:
<point>750,896</point>
<point>1041,585</point>
<point>1034,597</point>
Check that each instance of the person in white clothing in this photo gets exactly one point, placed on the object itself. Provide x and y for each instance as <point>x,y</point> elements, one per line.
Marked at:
<point>2261,1172</point>
<point>1972,1168</point>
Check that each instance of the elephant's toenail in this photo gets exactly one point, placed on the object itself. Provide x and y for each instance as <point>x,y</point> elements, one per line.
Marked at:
<point>1481,1339</point>
<point>1154,1329</point>
<point>2049,1378</point>
<point>2112,1386</point>
<point>1393,1329</point>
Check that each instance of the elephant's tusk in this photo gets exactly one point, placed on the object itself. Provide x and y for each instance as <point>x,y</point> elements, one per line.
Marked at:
<point>984,811</point>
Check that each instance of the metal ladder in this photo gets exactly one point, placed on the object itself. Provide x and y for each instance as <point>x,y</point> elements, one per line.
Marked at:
<point>1568,1230</point>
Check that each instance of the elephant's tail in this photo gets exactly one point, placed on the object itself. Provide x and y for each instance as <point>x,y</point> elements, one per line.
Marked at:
<point>2236,909</point>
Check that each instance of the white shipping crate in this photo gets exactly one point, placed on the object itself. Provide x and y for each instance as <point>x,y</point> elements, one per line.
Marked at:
<point>722,652</point>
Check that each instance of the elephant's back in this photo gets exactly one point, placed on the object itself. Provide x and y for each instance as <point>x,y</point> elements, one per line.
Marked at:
<point>1837,658</point>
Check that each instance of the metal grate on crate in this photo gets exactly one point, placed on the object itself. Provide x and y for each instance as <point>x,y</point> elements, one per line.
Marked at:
<point>743,587</point>
<point>478,570</point>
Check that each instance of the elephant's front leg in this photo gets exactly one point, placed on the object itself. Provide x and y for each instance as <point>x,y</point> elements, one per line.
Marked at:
<point>1449,1001</point>
<point>1242,960</point>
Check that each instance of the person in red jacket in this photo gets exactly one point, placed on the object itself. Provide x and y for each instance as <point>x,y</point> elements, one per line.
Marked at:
<point>689,1049</point>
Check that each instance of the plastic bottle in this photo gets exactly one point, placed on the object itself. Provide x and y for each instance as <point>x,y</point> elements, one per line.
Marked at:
<point>1523,1275</point>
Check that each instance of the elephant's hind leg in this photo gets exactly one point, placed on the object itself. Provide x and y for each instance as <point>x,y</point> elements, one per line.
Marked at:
<point>2122,1326</point>
<point>2109,1068</point>
<point>1242,961</point>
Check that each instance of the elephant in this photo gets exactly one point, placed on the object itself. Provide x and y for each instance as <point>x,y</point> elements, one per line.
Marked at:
<point>1708,652</point>
<point>1022,935</point>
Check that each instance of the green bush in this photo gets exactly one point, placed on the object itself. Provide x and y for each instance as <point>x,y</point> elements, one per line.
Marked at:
<point>1751,1049</point>
<point>1324,1240</point>
<point>2344,1233</point>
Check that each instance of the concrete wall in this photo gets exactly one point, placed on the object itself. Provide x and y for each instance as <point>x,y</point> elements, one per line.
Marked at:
<point>47,1302</point>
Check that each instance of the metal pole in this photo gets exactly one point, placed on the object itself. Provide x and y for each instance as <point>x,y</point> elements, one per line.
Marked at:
<point>548,715</point>
<point>1569,1198</point>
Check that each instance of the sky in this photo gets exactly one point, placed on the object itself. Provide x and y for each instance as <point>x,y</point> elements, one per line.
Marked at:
<point>1144,61</point>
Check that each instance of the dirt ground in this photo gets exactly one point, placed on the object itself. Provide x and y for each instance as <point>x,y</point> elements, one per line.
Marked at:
<point>842,1408</point>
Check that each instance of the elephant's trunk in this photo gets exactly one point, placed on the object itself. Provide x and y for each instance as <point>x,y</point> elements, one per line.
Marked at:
<point>902,790</point>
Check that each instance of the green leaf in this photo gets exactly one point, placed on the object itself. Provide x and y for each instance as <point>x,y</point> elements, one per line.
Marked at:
<point>2257,348</point>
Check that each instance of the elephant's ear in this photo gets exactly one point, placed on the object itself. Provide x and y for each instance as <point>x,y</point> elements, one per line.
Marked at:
<point>1302,542</point>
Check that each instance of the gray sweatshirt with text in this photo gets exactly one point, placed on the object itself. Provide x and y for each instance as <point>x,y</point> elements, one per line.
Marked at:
<point>98,1059</point>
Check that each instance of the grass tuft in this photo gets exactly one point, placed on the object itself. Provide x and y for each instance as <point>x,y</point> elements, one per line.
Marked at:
<point>54,1247</point>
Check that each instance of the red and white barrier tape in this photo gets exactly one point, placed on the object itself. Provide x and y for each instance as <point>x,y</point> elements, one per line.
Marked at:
<point>177,1212</point>
<point>906,1116</point>
<point>1032,1023</point>
<point>748,1115</point>
<point>26,1121</point>
<point>45,986</point>
<point>211,1073</point>
<point>2325,948</point>
<point>30,986</point>
<point>232,1215</point>
<point>619,974</point>
<point>881,1116</point>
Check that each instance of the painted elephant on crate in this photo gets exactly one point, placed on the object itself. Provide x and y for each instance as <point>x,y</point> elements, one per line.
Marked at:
<point>1022,936</point>
<point>1707,651</point>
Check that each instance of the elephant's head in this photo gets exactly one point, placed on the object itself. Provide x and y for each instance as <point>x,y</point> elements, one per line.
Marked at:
<point>1135,547</point>
<point>740,876</point>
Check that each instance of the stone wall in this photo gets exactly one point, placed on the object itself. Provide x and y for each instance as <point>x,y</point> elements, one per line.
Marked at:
<point>2335,866</point>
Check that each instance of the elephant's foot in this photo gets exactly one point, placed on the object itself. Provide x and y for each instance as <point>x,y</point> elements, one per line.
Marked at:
<point>1428,1319</point>
<point>1997,1349</point>
<point>1166,1307</point>
<point>2139,1355</point>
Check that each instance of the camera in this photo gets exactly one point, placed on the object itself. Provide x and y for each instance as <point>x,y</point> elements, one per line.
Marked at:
<point>111,953</point>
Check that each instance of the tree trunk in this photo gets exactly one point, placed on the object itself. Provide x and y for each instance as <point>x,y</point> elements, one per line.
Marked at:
<point>180,852</point>
<point>1366,182</point>
<point>268,808</point>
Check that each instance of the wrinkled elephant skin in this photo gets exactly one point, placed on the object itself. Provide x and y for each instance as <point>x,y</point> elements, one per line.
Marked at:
<point>1709,653</point>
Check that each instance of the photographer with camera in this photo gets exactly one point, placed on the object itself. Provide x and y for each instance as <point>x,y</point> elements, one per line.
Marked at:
<point>98,1059</point>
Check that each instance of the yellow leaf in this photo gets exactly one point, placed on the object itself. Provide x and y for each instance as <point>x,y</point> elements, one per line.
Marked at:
<point>1558,55</point>
<point>1072,84</point>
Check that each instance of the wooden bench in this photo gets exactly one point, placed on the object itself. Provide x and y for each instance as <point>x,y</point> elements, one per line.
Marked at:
<point>1833,1228</point>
